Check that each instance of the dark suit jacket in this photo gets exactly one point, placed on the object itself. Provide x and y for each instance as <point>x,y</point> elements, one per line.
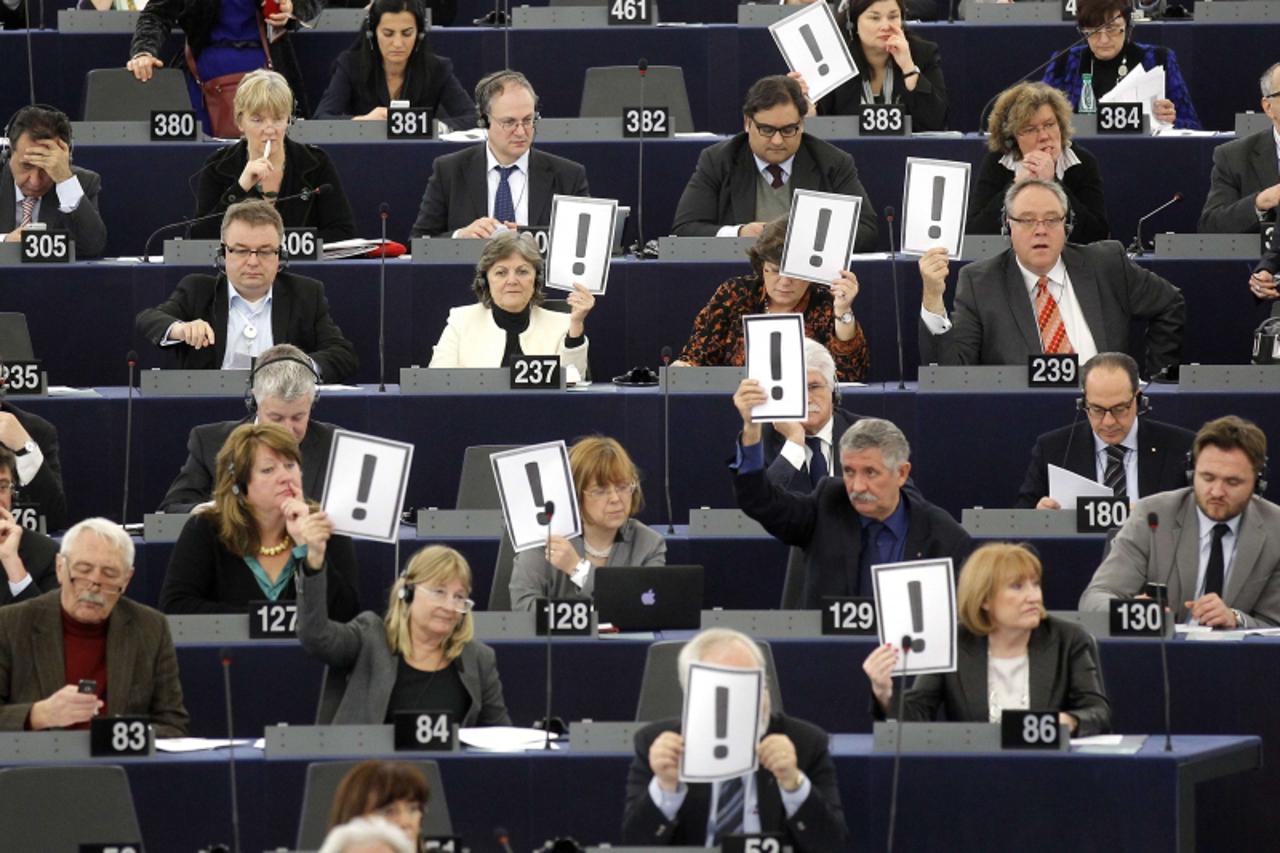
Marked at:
<point>458,191</point>
<point>1082,184</point>
<point>349,93</point>
<point>722,190</point>
<point>305,167</point>
<point>85,222</point>
<point>142,667</point>
<point>817,826</point>
<point>1241,169</point>
<point>782,473</point>
<point>1064,676</point>
<point>38,554</point>
<point>45,490</point>
<point>194,483</point>
<point>827,527</point>
<point>1162,458</point>
<point>299,316</point>
<point>994,321</point>
<point>927,104</point>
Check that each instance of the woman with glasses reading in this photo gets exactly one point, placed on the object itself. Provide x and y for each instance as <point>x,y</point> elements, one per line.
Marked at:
<point>608,486</point>
<point>267,164</point>
<point>421,656</point>
<point>1030,137</point>
<point>1088,71</point>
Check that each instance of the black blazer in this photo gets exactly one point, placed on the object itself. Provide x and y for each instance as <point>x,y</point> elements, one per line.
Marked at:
<point>827,527</point>
<point>305,167</point>
<point>38,554</point>
<point>1082,183</point>
<point>84,223</point>
<point>1162,458</point>
<point>348,94</point>
<point>817,826</point>
<point>927,105</point>
<point>194,483</point>
<point>1064,676</point>
<point>993,321</point>
<point>299,316</point>
<point>458,192</point>
<point>1241,169</point>
<point>204,577</point>
<point>783,473</point>
<point>45,489</point>
<point>722,190</point>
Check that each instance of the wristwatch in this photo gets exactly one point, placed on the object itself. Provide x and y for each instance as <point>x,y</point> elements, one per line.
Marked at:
<point>29,447</point>
<point>846,317</point>
<point>912,73</point>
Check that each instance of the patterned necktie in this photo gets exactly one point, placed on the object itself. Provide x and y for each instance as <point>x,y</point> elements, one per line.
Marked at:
<point>776,171</point>
<point>1114,478</point>
<point>729,808</point>
<point>1217,564</point>
<point>504,209</point>
<point>28,208</point>
<point>1053,332</point>
<point>818,461</point>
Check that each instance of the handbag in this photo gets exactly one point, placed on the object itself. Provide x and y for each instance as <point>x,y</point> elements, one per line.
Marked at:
<point>219,93</point>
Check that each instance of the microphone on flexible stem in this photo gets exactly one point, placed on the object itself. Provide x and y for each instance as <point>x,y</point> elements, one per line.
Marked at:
<point>225,655</point>
<point>132,359</point>
<point>643,67</point>
<point>1071,434</point>
<point>1136,246</point>
<point>503,838</point>
<point>384,211</point>
<point>889,214</point>
<point>951,10</point>
<point>897,747</point>
<point>666,435</point>
<point>31,74</point>
<point>1162,600</point>
<point>549,508</point>
<point>306,195</point>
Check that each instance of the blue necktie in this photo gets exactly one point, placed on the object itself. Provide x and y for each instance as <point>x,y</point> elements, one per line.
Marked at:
<point>729,808</point>
<point>504,209</point>
<point>817,462</point>
<point>870,555</point>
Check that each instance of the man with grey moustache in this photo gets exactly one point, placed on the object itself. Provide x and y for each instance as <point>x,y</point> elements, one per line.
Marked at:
<point>845,527</point>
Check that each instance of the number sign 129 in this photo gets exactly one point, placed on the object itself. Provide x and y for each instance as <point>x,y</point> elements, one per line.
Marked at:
<point>855,617</point>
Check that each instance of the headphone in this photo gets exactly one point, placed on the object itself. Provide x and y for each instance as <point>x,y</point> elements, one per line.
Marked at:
<point>406,590</point>
<point>413,7</point>
<point>487,89</point>
<point>251,403</point>
<point>235,487</point>
<point>60,121</point>
<point>1144,403</point>
<point>220,258</point>
<point>1067,226</point>
<point>1259,480</point>
<point>480,284</point>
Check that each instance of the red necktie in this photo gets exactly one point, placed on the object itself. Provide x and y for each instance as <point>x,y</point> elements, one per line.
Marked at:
<point>1053,332</point>
<point>776,171</point>
<point>28,207</point>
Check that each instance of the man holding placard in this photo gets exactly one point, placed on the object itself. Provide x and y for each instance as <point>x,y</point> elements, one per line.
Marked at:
<point>746,181</point>
<point>793,791</point>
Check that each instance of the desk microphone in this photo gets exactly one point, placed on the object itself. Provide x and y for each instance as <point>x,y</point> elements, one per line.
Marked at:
<point>643,67</point>
<point>132,359</point>
<point>31,74</point>
<point>384,212</point>
<point>889,214</point>
<point>503,838</point>
<point>1136,247</point>
<point>666,435</point>
<point>897,747</point>
<point>305,195</point>
<point>1162,601</point>
<point>225,655</point>
<point>550,509</point>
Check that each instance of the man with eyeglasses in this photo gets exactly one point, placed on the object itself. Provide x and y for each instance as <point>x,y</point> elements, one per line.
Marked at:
<point>34,443</point>
<point>1244,186</point>
<point>228,320</point>
<point>1045,295</point>
<point>747,181</point>
<point>504,183</point>
<point>27,556</point>
<point>84,649</point>
<point>1116,444</point>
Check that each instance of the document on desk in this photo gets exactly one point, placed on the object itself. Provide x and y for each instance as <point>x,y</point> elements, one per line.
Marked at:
<point>1142,86</point>
<point>198,744</point>
<point>503,738</point>
<point>1067,487</point>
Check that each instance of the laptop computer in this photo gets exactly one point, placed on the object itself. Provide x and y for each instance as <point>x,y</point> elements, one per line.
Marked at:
<point>650,598</point>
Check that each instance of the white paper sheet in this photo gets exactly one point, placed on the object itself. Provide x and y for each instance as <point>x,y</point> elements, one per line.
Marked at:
<point>364,489</point>
<point>917,599</point>
<point>528,478</point>
<point>580,242</point>
<point>197,744</point>
<point>1142,86</point>
<point>1067,487</point>
<point>503,738</point>
<point>775,357</point>
<point>820,233</point>
<point>720,722</point>
<point>811,43</point>
<point>935,197</point>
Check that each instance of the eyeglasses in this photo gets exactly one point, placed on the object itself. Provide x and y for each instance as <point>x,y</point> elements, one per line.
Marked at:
<point>622,490</point>
<point>241,253</point>
<point>8,488</point>
<point>82,579</point>
<point>439,595</point>
<point>509,125</point>
<point>1030,223</point>
<point>1114,29</point>
<point>1115,411</point>
<point>786,131</point>
<point>1037,129</point>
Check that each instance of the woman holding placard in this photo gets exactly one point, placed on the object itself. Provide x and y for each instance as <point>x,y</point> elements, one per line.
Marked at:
<point>421,656</point>
<point>508,319</point>
<point>717,338</point>
<point>1011,654</point>
<point>609,494</point>
<point>1030,137</point>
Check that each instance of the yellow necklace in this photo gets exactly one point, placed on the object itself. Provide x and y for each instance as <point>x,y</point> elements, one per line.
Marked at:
<point>285,544</point>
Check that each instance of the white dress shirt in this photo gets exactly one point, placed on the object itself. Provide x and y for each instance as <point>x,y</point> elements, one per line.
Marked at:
<point>669,803</point>
<point>1100,458</point>
<point>517,180</point>
<point>241,315</point>
<point>800,454</point>
<point>69,195</point>
<point>1229,543</point>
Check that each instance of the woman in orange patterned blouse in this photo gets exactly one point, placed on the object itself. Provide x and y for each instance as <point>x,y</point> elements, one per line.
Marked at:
<point>828,312</point>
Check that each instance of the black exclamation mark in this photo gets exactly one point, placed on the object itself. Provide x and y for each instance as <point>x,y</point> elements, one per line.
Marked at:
<point>939,186</point>
<point>807,34</point>
<point>917,614</point>
<point>584,228</point>
<point>366,482</point>
<point>722,721</point>
<point>535,485</point>
<point>820,239</point>
<point>775,363</point>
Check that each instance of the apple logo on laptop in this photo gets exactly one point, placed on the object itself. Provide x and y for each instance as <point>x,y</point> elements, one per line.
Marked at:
<point>649,598</point>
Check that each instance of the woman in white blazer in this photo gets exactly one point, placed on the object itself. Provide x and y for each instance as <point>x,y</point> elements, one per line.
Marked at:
<point>508,319</point>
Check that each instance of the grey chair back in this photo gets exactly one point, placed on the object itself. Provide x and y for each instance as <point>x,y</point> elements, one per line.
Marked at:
<point>660,695</point>
<point>476,488</point>
<point>500,592</point>
<point>793,581</point>
<point>607,90</point>
<point>114,94</point>
<point>15,339</point>
<point>59,808</point>
<point>322,784</point>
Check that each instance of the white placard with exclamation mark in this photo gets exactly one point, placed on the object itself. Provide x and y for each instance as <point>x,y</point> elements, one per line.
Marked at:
<point>535,485</point>
<point>721,722</point>
<point>820,233</point>
<point>811,43</point>
<point>934,200</point>
<point>365,486</point>
<point>581,242</point>
<point>775,356</point>
<point>917,600</point>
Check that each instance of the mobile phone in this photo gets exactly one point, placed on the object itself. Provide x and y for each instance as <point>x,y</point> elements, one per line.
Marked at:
<point>1157,591</point>
<point>88,685</point>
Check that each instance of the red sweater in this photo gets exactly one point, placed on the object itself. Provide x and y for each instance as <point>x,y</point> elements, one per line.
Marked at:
<point>85,655</point>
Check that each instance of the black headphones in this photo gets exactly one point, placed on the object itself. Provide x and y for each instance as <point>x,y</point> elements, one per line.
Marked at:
<point>487,89</point>
<point>406,590</point>
<point>480,284</point>
<point>1259,480</point>
<point>1067,226</point>
<point>415,8</point>
<point>1144,403</point>
<point>220,257</point>
<point>251,403</point>
<point>61,123</point>
<point>235,487</point>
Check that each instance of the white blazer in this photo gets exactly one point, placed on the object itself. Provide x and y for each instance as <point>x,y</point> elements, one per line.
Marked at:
<point>472,339</point>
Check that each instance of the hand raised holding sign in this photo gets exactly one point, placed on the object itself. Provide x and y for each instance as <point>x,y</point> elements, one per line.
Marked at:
<point>305,527</point>
<point>777,754</point>
<point>879,667</point>
<point>664,760</point>
<point>581,301</point>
